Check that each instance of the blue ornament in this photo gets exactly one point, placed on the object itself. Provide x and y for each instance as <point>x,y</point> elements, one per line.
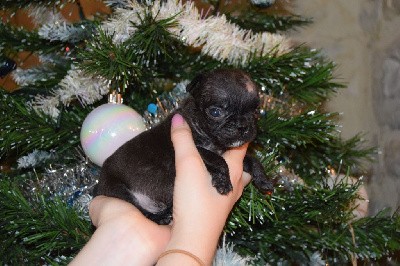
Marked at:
<point>152,108</point>
<point>8,66</point>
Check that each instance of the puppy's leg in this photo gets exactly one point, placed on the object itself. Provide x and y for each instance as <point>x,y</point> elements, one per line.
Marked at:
<point>254,167</point>
<point>218,170</point>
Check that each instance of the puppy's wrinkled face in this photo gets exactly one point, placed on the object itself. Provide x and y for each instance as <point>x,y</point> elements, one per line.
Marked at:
<point>227,102</point>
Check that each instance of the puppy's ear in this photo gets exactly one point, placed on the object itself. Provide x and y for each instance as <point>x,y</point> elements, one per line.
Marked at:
<point>195,84</point>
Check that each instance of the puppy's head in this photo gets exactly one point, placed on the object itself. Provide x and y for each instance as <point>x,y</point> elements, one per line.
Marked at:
<point>226,101</point>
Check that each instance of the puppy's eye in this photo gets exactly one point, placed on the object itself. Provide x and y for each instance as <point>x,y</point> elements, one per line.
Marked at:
<point>215,112</point>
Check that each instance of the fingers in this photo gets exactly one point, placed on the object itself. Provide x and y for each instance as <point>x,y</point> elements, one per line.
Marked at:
<point>103,208</point>
<point>95,209</point>
<point>246,178</point>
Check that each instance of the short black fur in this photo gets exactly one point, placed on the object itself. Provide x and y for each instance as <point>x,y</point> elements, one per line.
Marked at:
<point>221,111</point>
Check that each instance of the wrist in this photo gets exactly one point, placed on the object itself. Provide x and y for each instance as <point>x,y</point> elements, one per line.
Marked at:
<point>200,244</point>
<point>181,257</point>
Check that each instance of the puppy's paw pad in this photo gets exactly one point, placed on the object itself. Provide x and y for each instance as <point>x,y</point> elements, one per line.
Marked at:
<point>223,190</point>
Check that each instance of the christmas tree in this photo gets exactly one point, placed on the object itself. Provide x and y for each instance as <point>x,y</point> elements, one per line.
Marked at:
<point>147,52</point>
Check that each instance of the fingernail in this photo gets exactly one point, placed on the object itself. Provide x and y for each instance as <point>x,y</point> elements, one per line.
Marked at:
<point>177,120</point>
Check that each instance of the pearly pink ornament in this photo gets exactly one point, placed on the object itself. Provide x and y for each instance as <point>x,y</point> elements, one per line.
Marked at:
<point>107,128</point>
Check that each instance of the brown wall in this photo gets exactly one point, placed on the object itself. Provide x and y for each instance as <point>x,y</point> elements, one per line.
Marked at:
<point>70,11</point>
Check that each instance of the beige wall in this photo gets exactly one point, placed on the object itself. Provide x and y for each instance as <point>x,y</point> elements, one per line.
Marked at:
<point>363,38</point>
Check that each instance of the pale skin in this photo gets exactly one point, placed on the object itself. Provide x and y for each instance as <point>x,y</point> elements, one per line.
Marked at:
<point>124,236</point>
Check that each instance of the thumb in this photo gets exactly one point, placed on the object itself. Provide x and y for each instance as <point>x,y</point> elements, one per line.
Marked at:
<point>182,140</point>
<point>236,154</point>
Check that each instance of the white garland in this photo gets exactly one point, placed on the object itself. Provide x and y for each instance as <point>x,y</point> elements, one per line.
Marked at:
<point>44,15</point>
<point>218,38</point>
<point>116,3</point>
<point>47,105</point>
<point>33,159</point>
<point>24,77</point>
<point>61,31</point>
<point>87,89</point>
<point>53,26</point>
<point>226,256</point>
<point>75,85</point>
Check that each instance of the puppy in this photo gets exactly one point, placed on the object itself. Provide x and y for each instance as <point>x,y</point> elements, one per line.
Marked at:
<point>221,112</point>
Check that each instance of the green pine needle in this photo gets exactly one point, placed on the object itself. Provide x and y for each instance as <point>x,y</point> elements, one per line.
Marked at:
<point>152,40</point>
<point>22,130</point>
<point>15,4</point>
<point>292,227</point>
<point>301,73</point>
<point>112,61</point>
<point>261,22</point>
<point>38,230</point>
<point>16,39</point>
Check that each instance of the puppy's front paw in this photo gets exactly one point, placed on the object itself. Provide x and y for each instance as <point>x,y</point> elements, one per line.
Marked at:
<point>264,185</point>
<point>222,183</point>
<point>218,170</point>
<point>256,170</point>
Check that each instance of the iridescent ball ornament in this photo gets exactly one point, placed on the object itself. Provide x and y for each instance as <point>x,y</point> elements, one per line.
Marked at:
<point>106,128</point>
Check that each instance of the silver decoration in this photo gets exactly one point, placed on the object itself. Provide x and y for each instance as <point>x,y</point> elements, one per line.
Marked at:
<point>287,179</point>
<point>73,184</point>
<point>166,104</point>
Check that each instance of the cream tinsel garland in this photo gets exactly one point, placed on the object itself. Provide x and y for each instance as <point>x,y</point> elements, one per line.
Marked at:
<point>75,85</point>
<point>218,38</point>
<point>45,15</point>
<point>53,26</point>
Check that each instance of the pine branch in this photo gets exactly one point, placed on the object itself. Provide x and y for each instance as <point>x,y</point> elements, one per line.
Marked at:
<point>377,236</point>
<point>41,79</point>
<point>301,73</point>
<point>335,153</point>
<point>310,222</point>
<point>39,230</point>
<point>22,130</point>
<point>112,61</point>
<point>295,131</point>
<point>17,4</point>
<point>142,57</point>
<point>308,143</point>
<point>152,40</point>
<point>261,22</point>
<point>16,39</point>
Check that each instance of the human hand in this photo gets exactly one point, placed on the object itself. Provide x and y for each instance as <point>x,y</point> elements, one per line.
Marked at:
<point>123,235</point>
<point>199,211</point>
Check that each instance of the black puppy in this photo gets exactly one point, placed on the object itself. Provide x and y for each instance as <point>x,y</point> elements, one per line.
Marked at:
<point>221,111</point>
